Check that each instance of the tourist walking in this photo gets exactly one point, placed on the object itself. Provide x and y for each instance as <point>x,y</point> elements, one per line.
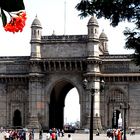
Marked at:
<point>31,135</point>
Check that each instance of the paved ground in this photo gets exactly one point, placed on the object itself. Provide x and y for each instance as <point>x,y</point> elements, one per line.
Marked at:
<point>101,137</point>
<point>86,137</point>
<point>76,136</point>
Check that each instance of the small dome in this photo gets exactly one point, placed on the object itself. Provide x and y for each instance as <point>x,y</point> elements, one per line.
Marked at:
<point>36,23</point>
<point>103,36</point>
<point>93,21</point>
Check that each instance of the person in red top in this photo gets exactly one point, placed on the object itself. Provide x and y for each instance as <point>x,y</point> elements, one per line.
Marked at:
<point>53,135</point>
<point>119,136</point>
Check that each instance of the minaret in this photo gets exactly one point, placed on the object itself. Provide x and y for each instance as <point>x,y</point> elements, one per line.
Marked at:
<point>35,74</point>
<point>93,70</point>
<point>36,33</point>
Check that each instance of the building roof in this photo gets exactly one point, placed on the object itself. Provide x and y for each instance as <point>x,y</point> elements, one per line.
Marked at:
<point>36,23</point>
<point>93,21</point>
<point>103,36</point>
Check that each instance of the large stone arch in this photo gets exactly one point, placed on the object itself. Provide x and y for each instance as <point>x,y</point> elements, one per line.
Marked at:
<point>75,82</point>
<point>57,91</point>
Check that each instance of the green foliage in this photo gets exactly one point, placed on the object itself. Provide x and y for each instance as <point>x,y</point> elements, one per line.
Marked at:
<point>117,11</point>
<point>114,10</point>
<point>4,18</point>
<point>133,42</point>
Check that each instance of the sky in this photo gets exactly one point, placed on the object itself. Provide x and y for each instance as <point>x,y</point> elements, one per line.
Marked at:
<point>51,14</point>
<point>62,17</point>
<point>72,107</point>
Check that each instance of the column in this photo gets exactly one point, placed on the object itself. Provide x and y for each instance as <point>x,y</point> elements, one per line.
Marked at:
<point>36,104</point>
<point>97,117</point>
<point>94,88</point>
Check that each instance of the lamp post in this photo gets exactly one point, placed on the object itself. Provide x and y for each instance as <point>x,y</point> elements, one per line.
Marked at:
<point>125,106</point>
<point>92,93</point>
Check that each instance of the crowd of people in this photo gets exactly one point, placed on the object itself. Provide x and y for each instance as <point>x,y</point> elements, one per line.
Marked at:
<point>14,134</point>
<point>21,134</point>
<point>117,134</point>
<point>52,134</point>
<point>114,134</point>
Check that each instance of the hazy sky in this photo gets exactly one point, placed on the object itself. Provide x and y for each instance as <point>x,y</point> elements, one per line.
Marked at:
<point>72,107</point>
<point>51,15</point>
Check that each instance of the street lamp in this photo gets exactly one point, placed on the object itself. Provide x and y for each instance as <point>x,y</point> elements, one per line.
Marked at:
<point>125,106</point>
<point>92,90</point>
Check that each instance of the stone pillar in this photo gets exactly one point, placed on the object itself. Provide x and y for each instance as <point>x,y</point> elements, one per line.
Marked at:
<point>97,116</point>
<point>46,121</point>
<point>92,90</point>
<point>36,102</point>
<point>85,110</point>
<point>95,84</point>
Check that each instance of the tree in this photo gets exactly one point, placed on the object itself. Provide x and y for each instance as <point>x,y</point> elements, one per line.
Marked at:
<point>117,11</point>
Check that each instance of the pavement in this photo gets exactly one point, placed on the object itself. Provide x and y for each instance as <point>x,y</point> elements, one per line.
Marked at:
<point>77,136</point>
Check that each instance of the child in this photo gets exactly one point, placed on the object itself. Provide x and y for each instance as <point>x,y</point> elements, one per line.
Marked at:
<point>69,137</point>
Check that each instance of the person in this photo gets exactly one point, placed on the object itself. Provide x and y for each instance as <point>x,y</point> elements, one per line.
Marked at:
<point>132,131</point>
<point>62,133</point>
<point>40,134</point>
<point>53,135</point>
<point>114,134</point>
<point>32,132</point>
<point>30,135</point>
<point>48,136</point>
<point>119,135</point>
<point>97,133</point>
<point>7,135</point>
<point>69,137</point>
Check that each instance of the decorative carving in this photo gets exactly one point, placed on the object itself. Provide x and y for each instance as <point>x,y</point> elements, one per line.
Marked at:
<point>66,38</point>
<point>63,65</point>
<point>16,68</point>
<point>115,67</point>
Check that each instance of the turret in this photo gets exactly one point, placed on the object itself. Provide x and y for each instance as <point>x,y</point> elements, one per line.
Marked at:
<point>103,43</point>
<point>93,38</point>
<point>93,28</point>
<point>36,33</point>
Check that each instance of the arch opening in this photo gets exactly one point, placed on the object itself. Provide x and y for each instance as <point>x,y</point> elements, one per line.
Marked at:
<point>17,120</point>
<point>115,98</point>
<point>116,119</point>
<point>72,109</point>
<point>57,104</point>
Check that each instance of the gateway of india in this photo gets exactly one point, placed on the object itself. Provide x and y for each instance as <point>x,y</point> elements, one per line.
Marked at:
<point>33,88</point>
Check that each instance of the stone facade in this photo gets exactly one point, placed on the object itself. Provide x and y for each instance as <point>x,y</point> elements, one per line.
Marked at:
<point>33,89</point>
